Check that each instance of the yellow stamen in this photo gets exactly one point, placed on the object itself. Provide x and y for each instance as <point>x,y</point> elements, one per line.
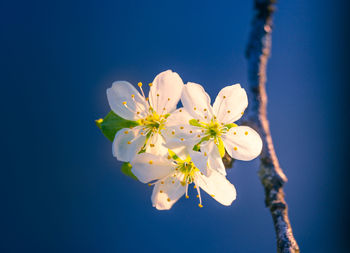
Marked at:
<point>139,84</point>
<point>150,162</point>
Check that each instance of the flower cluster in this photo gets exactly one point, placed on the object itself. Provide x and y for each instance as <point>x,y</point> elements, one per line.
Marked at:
<point>173,148</point>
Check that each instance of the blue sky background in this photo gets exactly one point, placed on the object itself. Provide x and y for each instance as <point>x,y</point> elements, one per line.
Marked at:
<point>62,190</point>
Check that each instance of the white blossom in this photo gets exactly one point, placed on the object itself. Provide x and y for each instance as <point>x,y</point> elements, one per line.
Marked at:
<point>210,129</point>
<point>172,175</point>
<point>150,112</point>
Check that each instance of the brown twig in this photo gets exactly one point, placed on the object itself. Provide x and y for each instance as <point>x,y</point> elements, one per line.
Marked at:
<point>270,173</point>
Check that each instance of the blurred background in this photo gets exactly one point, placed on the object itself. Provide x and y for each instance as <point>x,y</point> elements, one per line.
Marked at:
<point>61,188</point>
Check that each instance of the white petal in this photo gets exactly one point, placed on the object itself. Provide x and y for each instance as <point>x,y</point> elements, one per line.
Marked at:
<point>230,104</point>
<point>124,151</point>
<point>167,192</point>
<point>178,148</point>
<point>217,186</point>
<point>214,159</point>
<point>242,143</point>
<point>165,92</point>
<point>155,145</point>
<point>149,167</point>
<point>197,102</point>
<point>120,92</point>
<point>199,160</point>
<point>178,131</point>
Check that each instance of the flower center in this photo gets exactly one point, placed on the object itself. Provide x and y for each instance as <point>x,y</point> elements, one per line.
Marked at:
<point>153,122</point>
<point>214,129</point>
<point>188,169</point>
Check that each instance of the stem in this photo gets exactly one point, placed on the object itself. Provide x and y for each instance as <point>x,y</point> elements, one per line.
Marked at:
<point>270,173</point>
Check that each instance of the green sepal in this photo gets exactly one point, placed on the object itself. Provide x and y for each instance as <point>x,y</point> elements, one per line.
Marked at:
<point>112,123</point>
<point>229,126</point>
<point>126,169</point>
<point>194,122</point>
<point>196,147</point>
<point>173,155</point>
<point>221,147</point>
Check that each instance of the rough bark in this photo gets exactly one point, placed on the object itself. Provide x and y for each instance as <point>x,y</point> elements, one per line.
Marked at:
<point>270,173</point>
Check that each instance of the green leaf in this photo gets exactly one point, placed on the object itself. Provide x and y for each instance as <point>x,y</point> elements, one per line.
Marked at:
<point>112,123</point>
<point>126,169</point>
<point>194,122</point>
<point>221,147</point>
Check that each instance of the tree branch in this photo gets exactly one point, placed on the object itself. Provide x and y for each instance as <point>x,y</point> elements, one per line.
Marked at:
<point>270,173</point>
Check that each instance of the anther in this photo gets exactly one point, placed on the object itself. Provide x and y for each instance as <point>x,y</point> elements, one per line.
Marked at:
<point>246,133</point>
<point>197,196</point>
<point>205,153</point>
<point>224,97</point>
<point>194,108</point>
<point>124,103</point>
<point>150,84</point>
<point>180,110</point>
<point>200,205</point>
<point>234,133</point>
<point>126,132</point>
<point>152,145</point>
<point>132,95</point>
<point>182,127</point>
<point>187,196</point>
<point>150,162</point>
<point>129,142</point>
<point>169,157</point>
<point>235,148</point>
<point>162,182</point>
<point>198,135</point>
<point>161,191</point>
<point>228,111</point>
<point>168,99</point>
<point>205,109</point>
<point>173,182</point>
<point>190,131</point>
<point>173,132</point>
<point>157,94</point>
<point>168,199</point>
<point>139,84</point>
<point>182,139</point>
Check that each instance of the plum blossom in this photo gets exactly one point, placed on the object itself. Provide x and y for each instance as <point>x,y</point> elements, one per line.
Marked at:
<point>172,175</point>
<point>150,113</point>
<point>210,129</point>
